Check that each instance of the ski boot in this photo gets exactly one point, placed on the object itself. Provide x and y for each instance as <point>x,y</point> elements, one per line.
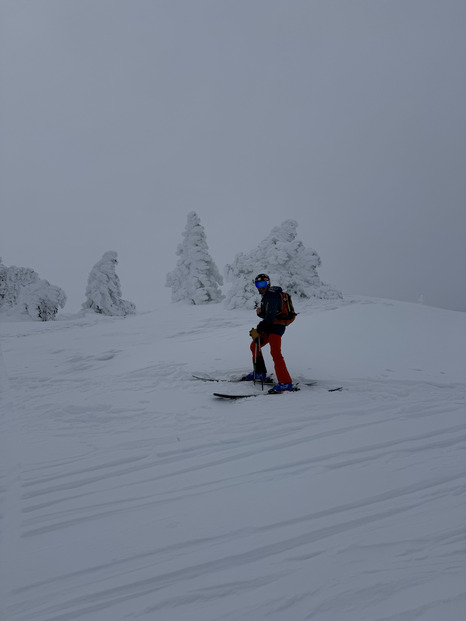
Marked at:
<point>255,377</point>
<point>282,387</point>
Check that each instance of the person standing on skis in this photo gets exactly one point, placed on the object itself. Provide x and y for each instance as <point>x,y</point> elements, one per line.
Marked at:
<point>269,331</point>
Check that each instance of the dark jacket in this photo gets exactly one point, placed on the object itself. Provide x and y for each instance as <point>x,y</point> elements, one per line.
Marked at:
<point>271,305</point>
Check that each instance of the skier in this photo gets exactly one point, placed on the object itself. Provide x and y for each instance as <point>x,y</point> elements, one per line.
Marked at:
<point>269,331</point>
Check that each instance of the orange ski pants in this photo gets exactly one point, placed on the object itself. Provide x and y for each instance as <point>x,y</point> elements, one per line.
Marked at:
<point>275,342</point>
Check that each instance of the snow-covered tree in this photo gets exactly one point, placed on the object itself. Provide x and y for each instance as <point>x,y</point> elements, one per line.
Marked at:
<point>12,280</point>
<point>288,263</point>
<point>22,291</point>
<point>41,300</point>
<point>103,291</point>
<point>3,281</point>
<point>195,278</point>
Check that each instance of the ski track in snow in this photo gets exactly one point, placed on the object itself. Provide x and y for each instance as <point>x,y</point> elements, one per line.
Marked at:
<point>123,500</point>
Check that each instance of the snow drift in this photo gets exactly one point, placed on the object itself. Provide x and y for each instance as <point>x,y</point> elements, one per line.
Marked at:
<point>129,492</point>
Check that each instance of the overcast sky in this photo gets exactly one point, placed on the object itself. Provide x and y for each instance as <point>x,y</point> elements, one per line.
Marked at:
<point>117,118</point>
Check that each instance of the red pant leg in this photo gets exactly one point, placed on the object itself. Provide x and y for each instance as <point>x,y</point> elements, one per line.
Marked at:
<point>275,341</point>
<point>281,371</point>
<point>257,358</point>
<point>256,350</point>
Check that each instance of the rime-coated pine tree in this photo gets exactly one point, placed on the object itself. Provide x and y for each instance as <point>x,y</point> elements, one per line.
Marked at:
<point>103,291</point>
<point>12,280</point>
<point>196,278</point>
<point>41,300</point>
<point>288,263</point>
<point>23,292</point>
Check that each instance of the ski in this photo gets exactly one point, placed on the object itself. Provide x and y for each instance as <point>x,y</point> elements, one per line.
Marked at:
<point>268,380</point>
<point>221,395</point>
<point>314,382</point>
<point>225,396</point>
<point>254,394</point>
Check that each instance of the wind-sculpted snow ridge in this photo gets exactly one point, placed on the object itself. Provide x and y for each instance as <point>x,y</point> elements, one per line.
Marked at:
<point>128,492</point>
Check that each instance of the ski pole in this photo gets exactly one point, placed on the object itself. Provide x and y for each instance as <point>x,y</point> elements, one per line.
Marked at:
<point>260,350</point>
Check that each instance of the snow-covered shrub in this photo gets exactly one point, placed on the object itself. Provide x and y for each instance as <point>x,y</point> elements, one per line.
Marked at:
<point>3,282</point>
<point>103,291</point>
<point>41,300</point>
<point>12,280</point>
<point>195,278</point>
<point>22,291</point>
<point>288,263</point>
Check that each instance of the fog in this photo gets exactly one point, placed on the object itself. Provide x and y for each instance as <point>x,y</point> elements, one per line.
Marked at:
<point>118,118</point>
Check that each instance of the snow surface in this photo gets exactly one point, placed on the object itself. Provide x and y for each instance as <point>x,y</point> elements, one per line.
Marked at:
<point>129,492</point>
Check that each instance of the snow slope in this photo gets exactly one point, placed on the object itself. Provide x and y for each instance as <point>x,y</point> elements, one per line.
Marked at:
<point>129,492</point>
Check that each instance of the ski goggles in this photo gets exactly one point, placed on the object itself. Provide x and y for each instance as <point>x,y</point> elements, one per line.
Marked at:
<point>261,284</point>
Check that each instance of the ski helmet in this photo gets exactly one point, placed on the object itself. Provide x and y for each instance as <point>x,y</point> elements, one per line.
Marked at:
<point>262,281</point>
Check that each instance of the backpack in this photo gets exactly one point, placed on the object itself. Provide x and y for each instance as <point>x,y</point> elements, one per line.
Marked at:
<point>286,315</point>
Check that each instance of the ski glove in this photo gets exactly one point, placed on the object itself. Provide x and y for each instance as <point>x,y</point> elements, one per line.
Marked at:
<point>254,334</point>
